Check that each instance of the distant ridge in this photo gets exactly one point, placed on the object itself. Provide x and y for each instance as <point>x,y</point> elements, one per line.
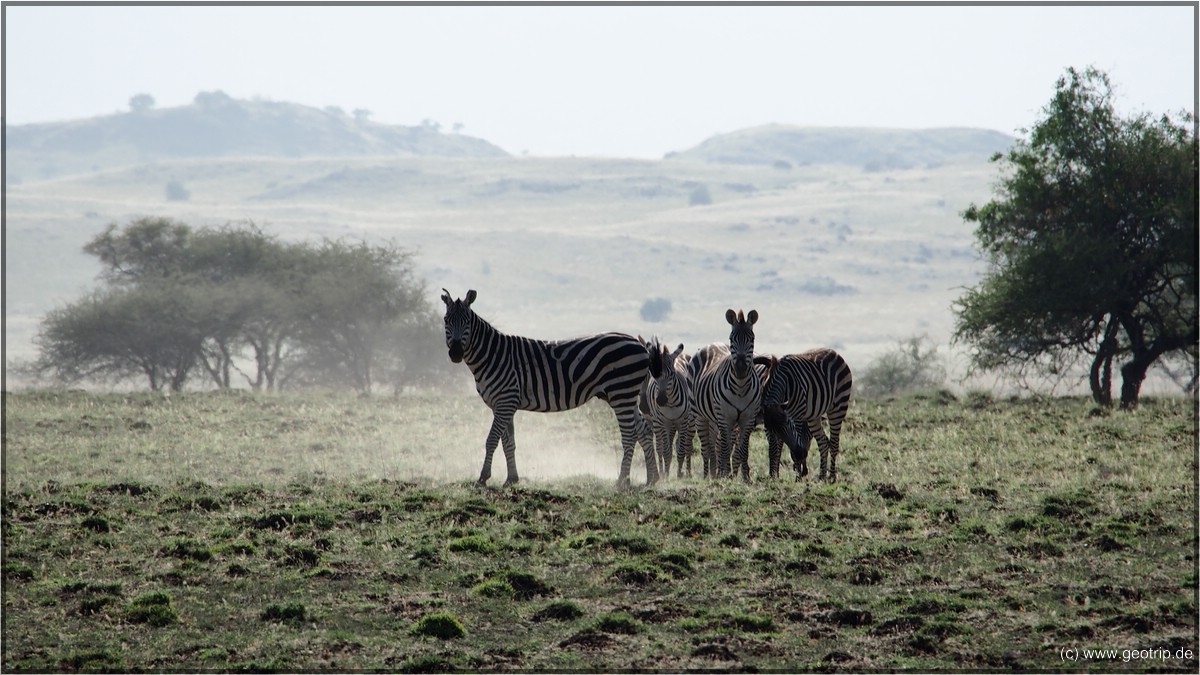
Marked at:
<point>217,125</point>
<point>871,148</point>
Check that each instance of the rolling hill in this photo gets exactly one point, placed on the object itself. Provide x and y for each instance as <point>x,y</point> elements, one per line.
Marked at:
<point>873,149</point>
<point>841,237</point>
<point>216,125</point>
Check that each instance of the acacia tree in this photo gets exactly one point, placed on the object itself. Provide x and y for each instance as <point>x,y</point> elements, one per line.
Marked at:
<point>353,297</point>
<point>1091,242</point>
<point>180,301</point>
<point>119,333</point>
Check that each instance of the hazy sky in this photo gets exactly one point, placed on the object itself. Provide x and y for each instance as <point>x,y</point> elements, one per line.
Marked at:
<point>603,81</point>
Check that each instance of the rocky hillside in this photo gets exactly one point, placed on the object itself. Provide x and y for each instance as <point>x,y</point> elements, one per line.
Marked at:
<point>216,125</point>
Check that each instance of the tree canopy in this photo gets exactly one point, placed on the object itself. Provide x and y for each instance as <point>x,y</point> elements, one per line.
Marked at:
<point>1092,244</point>
<point>178,302</point>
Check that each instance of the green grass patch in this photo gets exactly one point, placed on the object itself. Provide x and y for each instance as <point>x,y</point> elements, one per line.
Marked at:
<point>441,626</point>
<point>152,608</point>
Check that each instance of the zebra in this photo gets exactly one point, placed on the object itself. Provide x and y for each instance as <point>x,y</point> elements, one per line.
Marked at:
<point>728,396</point>
<point>518,373</point>
<point>705,429</point>
<point>666,402</point>
<point>806,388</point>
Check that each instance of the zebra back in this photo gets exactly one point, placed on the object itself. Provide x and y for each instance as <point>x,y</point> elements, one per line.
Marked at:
<point>812,384</point>
<point>543,375</point>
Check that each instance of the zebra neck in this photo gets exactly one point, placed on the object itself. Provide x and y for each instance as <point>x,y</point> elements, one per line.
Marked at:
<point>484,338</point>
<point>740,385</point>
<point>674,393</point>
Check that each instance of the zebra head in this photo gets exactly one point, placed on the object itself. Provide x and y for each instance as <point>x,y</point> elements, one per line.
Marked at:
<point>459,318</point>
<point>741,341</point>
<point>652,349</point>
<point>777,421</point>
<point>662,369</point>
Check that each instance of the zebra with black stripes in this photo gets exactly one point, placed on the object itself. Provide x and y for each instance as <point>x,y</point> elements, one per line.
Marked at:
<point>666,402</point>
<point>518,373</point>
<point>728,396</point>
<point>807,388</point>
<point>706,430</point>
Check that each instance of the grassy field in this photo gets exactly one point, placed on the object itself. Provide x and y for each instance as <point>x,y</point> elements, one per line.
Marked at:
<point>305,532</point>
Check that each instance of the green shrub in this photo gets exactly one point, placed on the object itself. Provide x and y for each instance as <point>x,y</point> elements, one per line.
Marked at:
<point>638,574</point>
<point>151,608</point>
<point>559,610</point>
<point>749,623</point>
<point>914,365</point>
<point>525,586</point>
<point>618,622</point>
<point>292,613</point>
<point>472,544</point>
<point>494,588</point>
<point>439,625</point>
<point>637,545</point>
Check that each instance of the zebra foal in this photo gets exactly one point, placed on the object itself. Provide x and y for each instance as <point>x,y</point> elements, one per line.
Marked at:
<point>518,373</point>
<point>805,389</point>
<point>666,402</point>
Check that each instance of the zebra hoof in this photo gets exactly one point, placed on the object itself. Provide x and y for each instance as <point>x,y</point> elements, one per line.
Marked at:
<point>511,482</point>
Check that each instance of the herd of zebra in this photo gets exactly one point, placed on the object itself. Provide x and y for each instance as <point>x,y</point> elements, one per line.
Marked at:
<point>659,395</point>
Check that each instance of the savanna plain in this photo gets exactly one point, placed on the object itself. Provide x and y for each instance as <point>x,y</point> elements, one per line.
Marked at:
<point>232,531</point>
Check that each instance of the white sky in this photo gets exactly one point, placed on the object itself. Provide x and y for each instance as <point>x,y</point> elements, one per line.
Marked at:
<point>602,81</point>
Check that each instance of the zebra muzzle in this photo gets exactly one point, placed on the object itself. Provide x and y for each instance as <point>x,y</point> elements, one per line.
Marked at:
<point>456,352</point>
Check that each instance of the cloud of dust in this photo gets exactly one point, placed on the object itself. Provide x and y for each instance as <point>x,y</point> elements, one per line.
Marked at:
<point>551,447</point>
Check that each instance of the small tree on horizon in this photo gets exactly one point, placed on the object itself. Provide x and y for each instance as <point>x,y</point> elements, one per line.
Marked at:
<point>141,103</point>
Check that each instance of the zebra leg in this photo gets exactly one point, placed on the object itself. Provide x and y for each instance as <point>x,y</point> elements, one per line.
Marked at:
<point>683,449</point>
<point>634,429</point>
<point>502,420</point>
<point>508,438</point>
<point>774,452</point>
<point>743,452</point>
<point>662,443</point>
<point>708,447</point>
<point>828,469</point>
<point>725,441</point>
<point>646,438</point>
<point>835,432</point>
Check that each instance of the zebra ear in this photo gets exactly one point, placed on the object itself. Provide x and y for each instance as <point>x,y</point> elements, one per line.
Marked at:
<point>446,298</point>
<point>731,317</point>
<point>752,317</point>
<point>470,297</point>
<point>675,354</point>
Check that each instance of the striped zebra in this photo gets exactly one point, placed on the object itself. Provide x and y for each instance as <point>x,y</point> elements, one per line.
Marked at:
<point>666,402</point>
<point>728,396</point>
<point>705,429</point>
<point>518,373</point>
<point>806,388</point>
